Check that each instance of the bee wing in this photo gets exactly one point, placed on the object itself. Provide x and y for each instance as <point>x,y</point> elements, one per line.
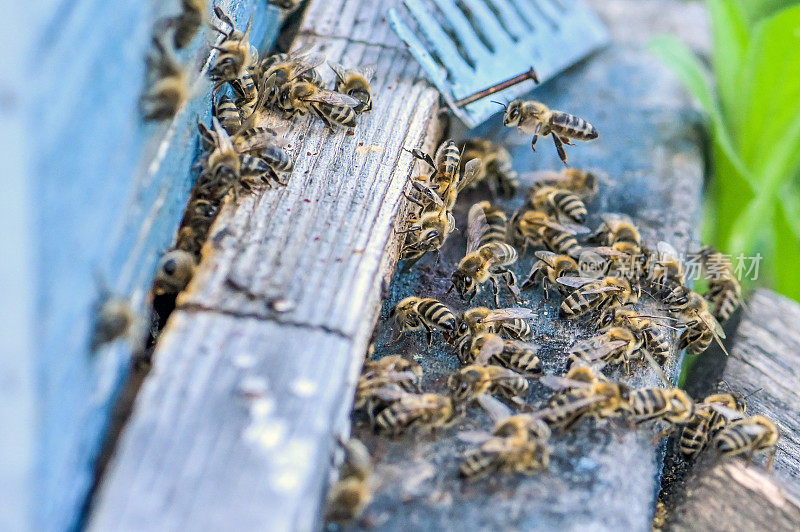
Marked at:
<point>305,63</point>
<point>263,140</point>
<point>472,170</point>
<point>476,226</point>
<point>580,403</point>
<point>576,282</point>
<point>614,217</point>
<point>605,251</point>
<point>475,437</point>
<point>656,366</point>
<point>597,351</point>
<point>751,429</point>
<point>666,251</point>
<point>494,407</point>
<point>332,98</point>
<point>545,255</point>
<point>390,393</point>
<point>493,346</point>
<point>560,383</point>
<point>602,290</point>
<point>223,139</point>
<point>339,70</point>
<point>503,314</point>
<point>571,229</point>
<point>366,71</point>
<point>728,413</point>
<point>715,328</point>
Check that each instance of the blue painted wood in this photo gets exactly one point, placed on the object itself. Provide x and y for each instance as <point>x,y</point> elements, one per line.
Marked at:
<point>94,190</point>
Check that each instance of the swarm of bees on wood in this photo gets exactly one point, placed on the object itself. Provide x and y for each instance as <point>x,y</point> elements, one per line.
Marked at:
<point>240,153</point>
<point>598,275</point>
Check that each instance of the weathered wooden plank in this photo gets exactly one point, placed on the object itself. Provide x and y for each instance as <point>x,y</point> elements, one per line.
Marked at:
<point>104,194</point>
<point>732,497</point>
<point>603,478</point>
<point>325,245</point>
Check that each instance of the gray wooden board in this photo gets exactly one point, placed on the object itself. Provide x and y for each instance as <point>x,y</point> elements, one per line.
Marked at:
<point>764,357</point>
<point>731,497</point>
<point>601,478</point>
<point>101,191</point>
<point>326,245</point>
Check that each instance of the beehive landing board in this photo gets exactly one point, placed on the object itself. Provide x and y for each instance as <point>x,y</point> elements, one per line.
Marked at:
<point>198,454</point>
<point>764,357</point>
<point>599,478</point>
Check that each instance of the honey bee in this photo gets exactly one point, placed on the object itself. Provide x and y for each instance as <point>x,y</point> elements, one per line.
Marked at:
<point>228,114</point>
<point>496,169</point>
<point>595,294</point>
<point>447,179</point>
<point>534,117</point>
<point>574,400</point>
<point>277,70</point>
<point>665,268</point>
<point>490,348</point>
<point>188,22</point>
<point>168,87</point>
<point>751,435</point>
<point>708,420</point>
<point>246,92</point>
<point>616,228</point>
<point>414,313</point>
<point>408,411</point>
<point>508,321</point>
<point>115,317</point>
<point>355,82</point>
<point>724,290</point>
<point>488,255</point>
<point>505,456</point>
<point>656,339</point>
<point>394,363</point>
<point>702,327</point>
<point>334,109</point>
<point>389,373</point>
<point>536,228</point>
<point>548,269</point>
<point>352,492</point>
<point>615,345</point>
<point>671,405</point>
<point>236,54</point>
<point>560,203</point>
<point>580,182</point>
<point>427,232</point>
<point>477,379</point>
<point>174,271</point>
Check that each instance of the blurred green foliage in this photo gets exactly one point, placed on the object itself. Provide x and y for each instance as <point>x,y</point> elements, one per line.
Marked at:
<point>751,95</point>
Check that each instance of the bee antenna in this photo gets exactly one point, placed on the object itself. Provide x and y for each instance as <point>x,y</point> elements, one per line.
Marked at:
<point>752,393</point>
<point>499,103</point>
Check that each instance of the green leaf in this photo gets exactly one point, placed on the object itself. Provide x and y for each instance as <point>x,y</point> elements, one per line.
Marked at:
<point>787,249</point>
<point>755,10</point>
<point>731,37</point>
<point>687,67</point>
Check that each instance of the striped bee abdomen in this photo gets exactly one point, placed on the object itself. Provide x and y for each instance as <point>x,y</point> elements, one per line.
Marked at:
<point>568,125</point>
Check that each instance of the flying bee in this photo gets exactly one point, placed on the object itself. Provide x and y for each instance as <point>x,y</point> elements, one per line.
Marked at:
<point>355,82</point>
<point>414,313</point>
<point>474,380</point>
<point>167,86</point>
<point>496,171</point>
<point>595,294</point>
<point>574,400</point>
<point>671,405</point>
<point>490,348</point>
<point>702,327</point>
<point>352,492</point>
<point>616,228</point>
<point>335,109</point>
<point>174,271</point>
<point>751,435</point>
<point>534,117</point>
<point>488,255</point>
<point>548,269</point>
<point>579,182</point>
<point>228,114</point>
<point>560,203</point>
<point>507,321</point>
<point>708,420</point>
<point>408,411</point>
<point>236,54</point>
<point>724,290</point>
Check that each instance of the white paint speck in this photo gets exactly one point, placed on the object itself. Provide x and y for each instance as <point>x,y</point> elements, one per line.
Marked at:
<point>304,387</point>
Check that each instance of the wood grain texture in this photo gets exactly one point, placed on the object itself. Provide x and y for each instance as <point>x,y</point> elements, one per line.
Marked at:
<point>733,497</point>
<point>325,245</point>
<point>103,193</point>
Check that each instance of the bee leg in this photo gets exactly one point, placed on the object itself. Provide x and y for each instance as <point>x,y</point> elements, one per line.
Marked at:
<point>657,438</point>
<point>771,458</point>
<point>567,141</point>
<point>413,200</point>
<point>533,142</point>
<point>428,334</point>
<point>495,291</point>
<point>560,148</point>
